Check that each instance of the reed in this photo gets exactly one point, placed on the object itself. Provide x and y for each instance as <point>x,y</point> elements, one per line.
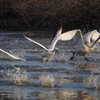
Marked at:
<point>62,10</point>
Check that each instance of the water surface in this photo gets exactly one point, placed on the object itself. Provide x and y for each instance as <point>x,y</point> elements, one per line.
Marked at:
<point>58,79</point>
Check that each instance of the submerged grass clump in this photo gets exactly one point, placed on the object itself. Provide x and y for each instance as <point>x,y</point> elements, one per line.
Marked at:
<point>47,80</point>
<point>95,81</point>
<point>19,76</point>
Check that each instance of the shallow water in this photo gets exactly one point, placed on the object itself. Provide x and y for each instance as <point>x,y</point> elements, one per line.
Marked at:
<point>58,79</point>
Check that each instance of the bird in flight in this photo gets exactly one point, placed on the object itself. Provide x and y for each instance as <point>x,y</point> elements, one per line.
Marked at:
<point>84,44</point>
<point>50,51</point>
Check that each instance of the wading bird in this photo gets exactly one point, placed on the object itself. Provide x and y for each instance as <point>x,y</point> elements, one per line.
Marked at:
<point>84,45</point>
<point>10,55</point>
<point>50,51</point>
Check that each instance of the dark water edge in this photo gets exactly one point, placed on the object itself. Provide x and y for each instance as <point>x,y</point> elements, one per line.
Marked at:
<point>19,24</point>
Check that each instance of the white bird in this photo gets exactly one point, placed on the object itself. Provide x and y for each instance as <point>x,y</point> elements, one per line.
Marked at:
<point>6,54</point>
<point>50,51</point>
<point>84,46</point>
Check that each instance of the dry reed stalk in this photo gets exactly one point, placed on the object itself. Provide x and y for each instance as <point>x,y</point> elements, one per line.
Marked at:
<point>62,10</point>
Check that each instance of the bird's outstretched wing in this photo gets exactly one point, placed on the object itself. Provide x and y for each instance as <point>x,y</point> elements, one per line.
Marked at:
<point>55,39</point>
<point>94,43</point>
<point>92,35</point>
<point>10,55</point>
<point>76,35</point>
<point>36,42</point>
<point>68,35</point>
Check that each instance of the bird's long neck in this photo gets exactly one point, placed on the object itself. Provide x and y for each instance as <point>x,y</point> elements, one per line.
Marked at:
<point>93,45</point>
<point>53,43</point>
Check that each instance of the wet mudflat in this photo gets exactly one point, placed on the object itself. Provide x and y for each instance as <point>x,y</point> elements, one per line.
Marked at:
<point>58,79</point>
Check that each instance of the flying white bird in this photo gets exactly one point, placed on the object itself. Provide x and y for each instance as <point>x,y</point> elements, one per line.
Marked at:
<point>84,45</point>
<point>50,51</point>
<point>10,55</point>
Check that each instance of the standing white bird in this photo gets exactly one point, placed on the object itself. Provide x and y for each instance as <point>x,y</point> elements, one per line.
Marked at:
<point>50,51</point>
<point>84,46</point>
<point>6,54</point>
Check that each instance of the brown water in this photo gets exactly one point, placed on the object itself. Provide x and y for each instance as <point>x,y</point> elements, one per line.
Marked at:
<point>58,79</point>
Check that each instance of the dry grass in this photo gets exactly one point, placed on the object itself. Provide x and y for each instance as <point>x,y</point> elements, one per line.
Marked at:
<point>62,10</point>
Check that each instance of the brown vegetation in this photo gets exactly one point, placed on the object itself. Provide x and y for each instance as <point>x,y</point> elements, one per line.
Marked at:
<point>61,10</point>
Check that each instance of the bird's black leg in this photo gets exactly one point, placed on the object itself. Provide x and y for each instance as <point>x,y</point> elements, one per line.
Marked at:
<point>72,56</point>
<point>47,60</point>
<point>86,59</point>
